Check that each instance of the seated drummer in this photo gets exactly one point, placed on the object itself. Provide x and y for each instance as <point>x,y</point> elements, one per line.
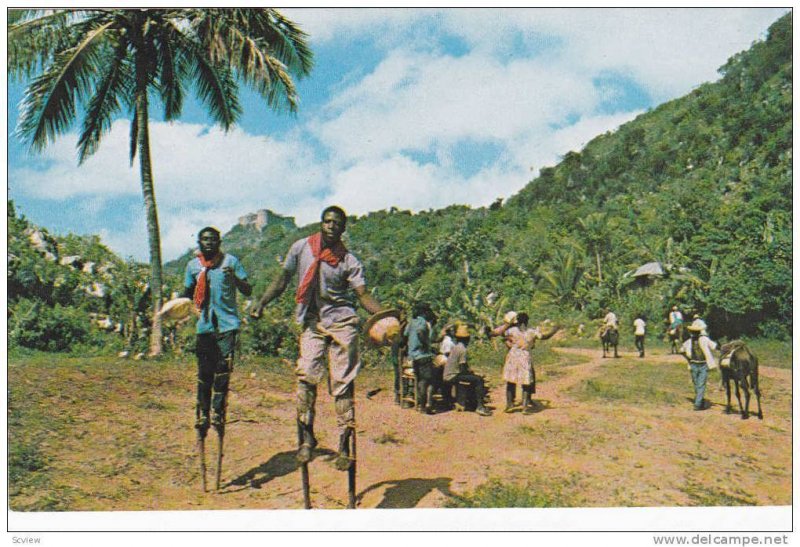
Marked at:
<point>456,371</point>
<point>445,347</point>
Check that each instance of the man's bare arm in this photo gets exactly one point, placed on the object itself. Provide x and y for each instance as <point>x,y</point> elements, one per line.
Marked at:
<point>366,300</point>
<point>274,290</point>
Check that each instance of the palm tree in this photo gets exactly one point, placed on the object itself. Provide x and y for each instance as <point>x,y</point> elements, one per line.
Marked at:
<point>105,59</point>
<point>561,278</point>
<point>596,228</point>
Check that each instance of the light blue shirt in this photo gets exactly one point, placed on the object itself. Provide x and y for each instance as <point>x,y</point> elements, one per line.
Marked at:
<point>221,307</point>
<point>418,332</point>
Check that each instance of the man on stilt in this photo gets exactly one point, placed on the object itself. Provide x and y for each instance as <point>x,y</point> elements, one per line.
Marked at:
<point>327,274</point>
<point>212,279</point>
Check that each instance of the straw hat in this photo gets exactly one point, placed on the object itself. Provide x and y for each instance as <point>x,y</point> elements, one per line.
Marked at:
<point>510,318</point>
<point>696,326</point>
<point>462,331</point>
<point>383,328</point>
<point>176,309</point>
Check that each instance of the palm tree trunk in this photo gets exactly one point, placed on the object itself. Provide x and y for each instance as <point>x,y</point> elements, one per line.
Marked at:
<point>154,239</point>
<point>599,272</point>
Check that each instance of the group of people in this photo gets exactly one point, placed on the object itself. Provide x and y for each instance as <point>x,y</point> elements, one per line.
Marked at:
<point>449,370</point>
<point>440,372</point>
<point>611,323</point>
<point>697,349</point>
<point>328,275</point>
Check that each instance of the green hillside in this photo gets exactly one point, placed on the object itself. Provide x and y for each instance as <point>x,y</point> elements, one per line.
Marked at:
<point>701,185</point>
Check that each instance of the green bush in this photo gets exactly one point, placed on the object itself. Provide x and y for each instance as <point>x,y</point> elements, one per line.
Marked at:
<point>37,326</point>
<point>269,335</point>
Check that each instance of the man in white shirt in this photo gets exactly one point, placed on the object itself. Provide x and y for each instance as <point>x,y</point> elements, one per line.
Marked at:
<point>698,352</point>
<point>638,331</point>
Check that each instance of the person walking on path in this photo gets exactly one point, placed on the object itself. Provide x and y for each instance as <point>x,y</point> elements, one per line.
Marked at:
<point>456,371</point>
<point>698,352</point>
<point>212,279</point>
<point>518,366</point>
<point>418,332</point>
<point>327,274</point>
<point>639,326</point>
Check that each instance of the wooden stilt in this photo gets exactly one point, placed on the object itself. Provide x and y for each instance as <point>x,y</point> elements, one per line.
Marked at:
<point>201,449</point>
<point>351,472</point>
<point>303,470</point>
<point>220,442</point>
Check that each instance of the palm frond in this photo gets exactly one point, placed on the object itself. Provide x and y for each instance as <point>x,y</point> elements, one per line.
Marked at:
<point>216,86</point>
<point>35,36</point>
<point>104,103</point>
<point>261,46</point>
<point>171,63</point>
<point>217,89</point>
<point>49,104</point>
<point>268,76</point>
<point>17,16</point>
<point>290,43</point>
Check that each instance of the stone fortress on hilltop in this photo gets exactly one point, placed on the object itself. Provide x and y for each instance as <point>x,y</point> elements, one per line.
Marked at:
<point>265,217</point>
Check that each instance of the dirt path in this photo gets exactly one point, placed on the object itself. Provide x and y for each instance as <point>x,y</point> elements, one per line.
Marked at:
<point>576,452</point>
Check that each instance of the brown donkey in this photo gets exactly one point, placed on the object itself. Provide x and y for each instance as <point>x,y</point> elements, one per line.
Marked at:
<point>740,365</point>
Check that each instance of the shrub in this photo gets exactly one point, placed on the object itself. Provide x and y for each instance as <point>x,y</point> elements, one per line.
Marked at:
<point>269,336</point>
<point>36,326</point>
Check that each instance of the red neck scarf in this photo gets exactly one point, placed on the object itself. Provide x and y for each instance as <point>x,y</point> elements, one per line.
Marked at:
<point>201,289</point>
<point>330,255</point>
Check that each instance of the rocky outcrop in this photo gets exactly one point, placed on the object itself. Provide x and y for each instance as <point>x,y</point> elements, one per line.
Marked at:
<point>43,243</point>
<point>264,217</point>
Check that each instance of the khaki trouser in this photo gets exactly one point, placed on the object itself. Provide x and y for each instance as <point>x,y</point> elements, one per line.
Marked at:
<point>340,342</point>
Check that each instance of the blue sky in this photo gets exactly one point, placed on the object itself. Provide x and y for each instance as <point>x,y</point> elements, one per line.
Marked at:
<point>413,108</point>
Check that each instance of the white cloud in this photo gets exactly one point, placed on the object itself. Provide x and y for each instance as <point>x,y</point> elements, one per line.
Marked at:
<point>191,163</point>
<point>411,102</point>
<point>401,182</point>
<point>325,25</point>
<point>667,50</point>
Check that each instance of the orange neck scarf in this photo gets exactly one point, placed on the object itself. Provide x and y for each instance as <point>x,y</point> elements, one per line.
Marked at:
<point>330,255</point>
<point>201,290</point>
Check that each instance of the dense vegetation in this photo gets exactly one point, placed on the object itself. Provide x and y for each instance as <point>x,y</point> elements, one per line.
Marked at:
<point>71,292</point>
<point>702,185</point>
